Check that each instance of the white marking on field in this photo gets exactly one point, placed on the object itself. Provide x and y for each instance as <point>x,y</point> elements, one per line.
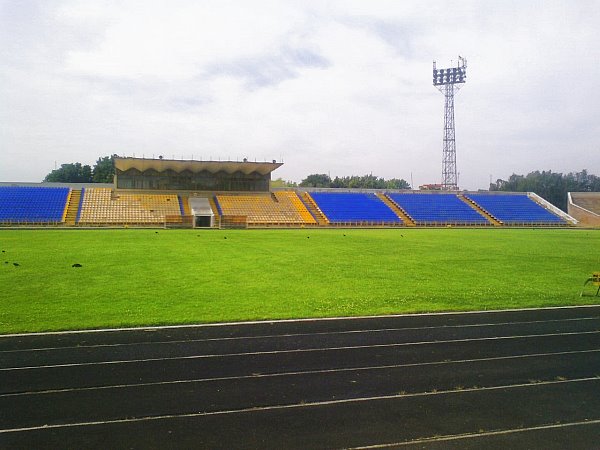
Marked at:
<point>287,407</point>
<point>288,335</point>
<point>318,319</point>
<point>482,434</point>
<point>302,350</point>
<point>297,373</point>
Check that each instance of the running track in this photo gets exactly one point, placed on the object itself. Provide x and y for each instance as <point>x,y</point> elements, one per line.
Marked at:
<point>516,379</point>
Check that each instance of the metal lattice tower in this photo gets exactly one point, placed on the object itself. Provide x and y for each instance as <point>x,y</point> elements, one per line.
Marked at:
<point>448,81</point>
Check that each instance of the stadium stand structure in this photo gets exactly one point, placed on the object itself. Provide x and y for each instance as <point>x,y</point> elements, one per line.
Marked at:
<point>355,209</point>
<point>217,176</point>
<point>33,204</point>
<point>515,209</point>
<point>276,209</point>
<point>312,207</point>
<point>103,206</point>
<point>221,194</point>
<point>408,221</point>
<point>584,207</point>
<point>434,209</point>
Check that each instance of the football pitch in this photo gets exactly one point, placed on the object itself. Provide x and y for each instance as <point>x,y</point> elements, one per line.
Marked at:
<point>133,277</point>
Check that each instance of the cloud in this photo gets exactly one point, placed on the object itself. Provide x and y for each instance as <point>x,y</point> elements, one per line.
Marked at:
<point>176,41</point>
<point>269,70</point>
<point>341,87</point>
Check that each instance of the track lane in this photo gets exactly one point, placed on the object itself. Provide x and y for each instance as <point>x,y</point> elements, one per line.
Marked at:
<point>256,344</point>
<point>561,436</point>
<point>340,424</point>
<point>133,372</point>
<point>305,384</point>
<point>273,328</point>
<point>95,404</point>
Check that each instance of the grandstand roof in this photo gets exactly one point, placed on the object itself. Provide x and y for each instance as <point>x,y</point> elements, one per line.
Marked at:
<point>160,165</point>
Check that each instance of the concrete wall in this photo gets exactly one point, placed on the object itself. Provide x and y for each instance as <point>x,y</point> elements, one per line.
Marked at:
<point>585,217</point>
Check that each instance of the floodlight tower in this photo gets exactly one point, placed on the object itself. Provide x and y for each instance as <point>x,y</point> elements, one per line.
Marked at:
<point>448,81</point>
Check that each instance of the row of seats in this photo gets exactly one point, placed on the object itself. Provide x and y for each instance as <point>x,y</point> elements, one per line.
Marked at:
<point>279,208</point>
<point>437,209</point>
<point>291,200</point>
<point>103,206</point>
<point>514,209</point>
<point>346,207</point>
<point>434,208</point>
<point>24,204</point>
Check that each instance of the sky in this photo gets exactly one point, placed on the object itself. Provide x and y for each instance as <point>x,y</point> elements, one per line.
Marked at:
<point>338,87</point>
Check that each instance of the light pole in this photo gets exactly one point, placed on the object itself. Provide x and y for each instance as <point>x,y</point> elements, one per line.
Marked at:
<point>448,81</point>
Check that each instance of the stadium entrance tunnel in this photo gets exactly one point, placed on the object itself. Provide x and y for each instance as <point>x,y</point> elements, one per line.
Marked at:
<point>202,221</point>
<point>202,212</point>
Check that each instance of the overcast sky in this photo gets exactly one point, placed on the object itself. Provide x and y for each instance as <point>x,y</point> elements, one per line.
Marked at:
<point>338,87</point>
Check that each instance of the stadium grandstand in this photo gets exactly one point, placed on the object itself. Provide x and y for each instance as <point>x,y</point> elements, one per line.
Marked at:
<point>511,209</point>
<point>229,194</point>
<point>355,208</point>
<point>33,204</point>
<point>438,209</point>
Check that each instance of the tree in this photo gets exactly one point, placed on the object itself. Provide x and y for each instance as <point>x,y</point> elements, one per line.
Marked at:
<point>281,183</point>
<point>70,173</point>
<point>395,183</point>
<point>316,180</point>
<point>354,182</point>
<point>104,170</point>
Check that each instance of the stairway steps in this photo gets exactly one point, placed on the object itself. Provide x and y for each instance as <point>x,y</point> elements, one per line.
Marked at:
<point>314,209</point>
<point>73,207</point>
<point>491,219</point>
<point>408,221</point>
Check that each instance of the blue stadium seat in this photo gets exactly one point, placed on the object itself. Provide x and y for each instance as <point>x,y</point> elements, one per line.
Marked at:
<point>515,209</point>
<point>438,208</point>
<point>24,204</point>
<point>345,207</point>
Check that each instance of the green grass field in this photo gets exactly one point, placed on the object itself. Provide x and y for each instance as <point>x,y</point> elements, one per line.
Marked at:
<point>144,277</point>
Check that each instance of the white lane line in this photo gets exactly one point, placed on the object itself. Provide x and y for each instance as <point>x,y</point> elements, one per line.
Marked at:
<point>293,406</point>
<point>316,319</point>
<point>290,335</point>
<point>297,373</point>
<point>460,437</point>
<point>302,350</point>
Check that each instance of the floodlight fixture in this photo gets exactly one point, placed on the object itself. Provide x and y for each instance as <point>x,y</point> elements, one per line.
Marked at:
<point>448,81</point>
<point>452,75</point>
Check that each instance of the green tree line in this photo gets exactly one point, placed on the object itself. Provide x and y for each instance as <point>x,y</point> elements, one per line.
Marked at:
<point>353,182</point>
<point>550,185</point>
<point>102,172</point>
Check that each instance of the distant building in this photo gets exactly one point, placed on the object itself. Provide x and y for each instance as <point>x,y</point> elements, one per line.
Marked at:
<point>431,187</point>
